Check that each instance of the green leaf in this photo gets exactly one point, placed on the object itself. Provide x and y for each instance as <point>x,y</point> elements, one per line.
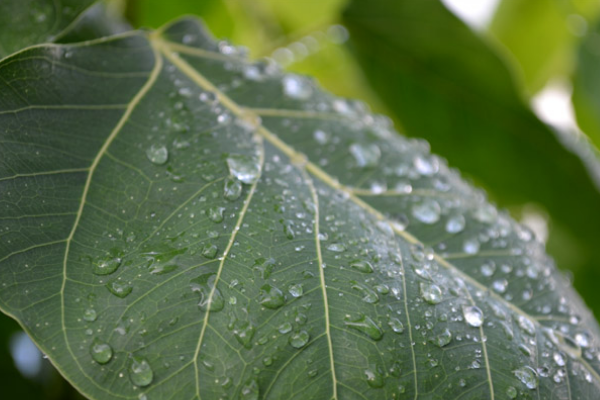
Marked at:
<point>447,85</point>
<point>27,22</point>
<point>586,85</point>
<point>180,223</point>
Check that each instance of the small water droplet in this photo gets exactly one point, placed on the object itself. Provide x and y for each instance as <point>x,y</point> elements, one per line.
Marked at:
<point>362,266</point>
<point>107,266</point>
<point>427,211</point>
<point>299,339</point>
<point>140,372</point>
<point>455,224</point>
<point>250,391</point>
<point>284,328</point>
<point>157,154</point>
<point>101,352</point>
<point>244,334</point>
<point>232,189</point>
<point>244,168</point>
<point>374,378</point>
<point>473,316</point>
<point>209,250</point>
<point>296,87</point>
<point>365,325</point>
<point>528,376</point>
<point>511,392</point>
<point>366,156</point>
<point>296,290</point>
<point>119,289</point>
<point>369,295</point>
<point>90,315</point>
<point>443,338</point>
<point>431,293</point>
<point>271,297</point>
<point>471,246</point>
<point>215,214</point>
<point>396,325</point>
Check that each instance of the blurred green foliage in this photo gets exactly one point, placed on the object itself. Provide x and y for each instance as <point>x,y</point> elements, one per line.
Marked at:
<point>467,92</point>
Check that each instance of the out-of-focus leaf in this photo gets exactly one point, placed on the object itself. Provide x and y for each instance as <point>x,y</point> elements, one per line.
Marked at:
<point>445,84</point>
<point>27,22</point>
<point>539,34</point>
<point>181,223</point>
<point>586,85</point>
<point>98,21</point>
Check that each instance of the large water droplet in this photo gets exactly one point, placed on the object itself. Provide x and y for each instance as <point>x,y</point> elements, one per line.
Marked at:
<point>119,289</point>
<point>362,266</point>
<point>369,295</point>
<point>296,290</point>
<point>244,168</point>
<point>427,211</point>
<point>271,297</point>
<point>396,325</point>
<point>455,224</point>
<point>107,266</point>
<point>215,214</point>
<point>365,325</point>
<point>244,334</point>
<point>90,315</point>
<point>251,390</point>
<point>203,285</point>
<point>473,316</point>
<point>431,293</point>
<point>443,338</point>
<point>209,250</point>
<point>528,376</point>
<point>101,352</point>
<point>232,189</point>
<point>374,378</point>
<point>366,156</point>
<point>140,372</point>
<point>157,154</point>
<point>299,339</point>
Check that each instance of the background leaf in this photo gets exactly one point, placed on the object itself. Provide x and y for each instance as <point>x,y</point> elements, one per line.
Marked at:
<point>180,222</point>
<point>447,85</point>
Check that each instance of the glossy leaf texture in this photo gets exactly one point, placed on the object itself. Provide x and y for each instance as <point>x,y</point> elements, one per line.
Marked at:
<point>178,222</point>
<point>27,22</point>
<point>447,85</point>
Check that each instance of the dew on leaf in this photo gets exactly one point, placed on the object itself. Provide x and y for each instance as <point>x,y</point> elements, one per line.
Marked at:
<point>209,251</point>
<point>431,293</point>
<point>107,266</point>
<point>296,87</point>
<point>296,290</point>
<point>455,224</point>
<point>427,211</point>
<point>284,328</point>
<point>365,325</point>
<point>374,378</point>
<point>471,246</point>
<point>362,266</point>
<point>369,295</point>
<point>232,189</point>
<point>527,376</point>
<point>366,156</point>
<point>250,390</point>
<point>157,154</point>
<point>271,297</point>
<point>119,289</point>
<point>443,338</point>
<point>215,214</point>
<point>473,316</point>
<point>140,372</point>
<point>90,315</point>
<point>336,247</point>
<point>526,324</point>
<point>244,334</point>
<point>511,392</point>
<point>299,339</point>
<point>244,168</point>
<point>396,325</point>
<point>101,351</point>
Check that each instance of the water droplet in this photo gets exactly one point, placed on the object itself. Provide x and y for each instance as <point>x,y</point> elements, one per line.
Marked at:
<point>244,168</point>
<point>299,339</point>
<point>455,224</point>
<point>244,334</point>
<point>528,376</point>
<point>296,87</point>
<point>140,372</point>
<point>101,352</point>
<point>336,247</point>
<point>559,359</point>
<point>426,166</point>
<point>271,297</point>
<point>500,285</point>
<point>215,214</point>
<point>471,246</point>
<point>396,325</point>
<point>431,293</point>
<point>365,325</point>
<point>107,266</point>
<point>443,338</point>
<point>321,137</point>
<point>362,266</point>
<point>526,324</point>
<point>232,189</point>
<point>369,295</point>
<point>488,269</point>
<point>296,290</point>
<point>374,378</point>
<point>119,289</point>
<point>203,285</point>
<point>427,211</point>
<point>250,391</point>
<point>366,156</point>
<point>90,315</point>
<point>511,392</point>
<point>209,250</point>
<point>583,339</point>
<point>284,328</point>
<point>157,154</point>
<point>473,316</point>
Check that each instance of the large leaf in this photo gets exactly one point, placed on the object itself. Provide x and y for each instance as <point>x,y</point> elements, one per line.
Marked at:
<point>179,223</point>
<point>586,85</point>
<point>447,85</point>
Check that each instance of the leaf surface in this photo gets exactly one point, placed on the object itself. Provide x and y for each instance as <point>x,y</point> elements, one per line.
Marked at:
<point>180,223</point>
